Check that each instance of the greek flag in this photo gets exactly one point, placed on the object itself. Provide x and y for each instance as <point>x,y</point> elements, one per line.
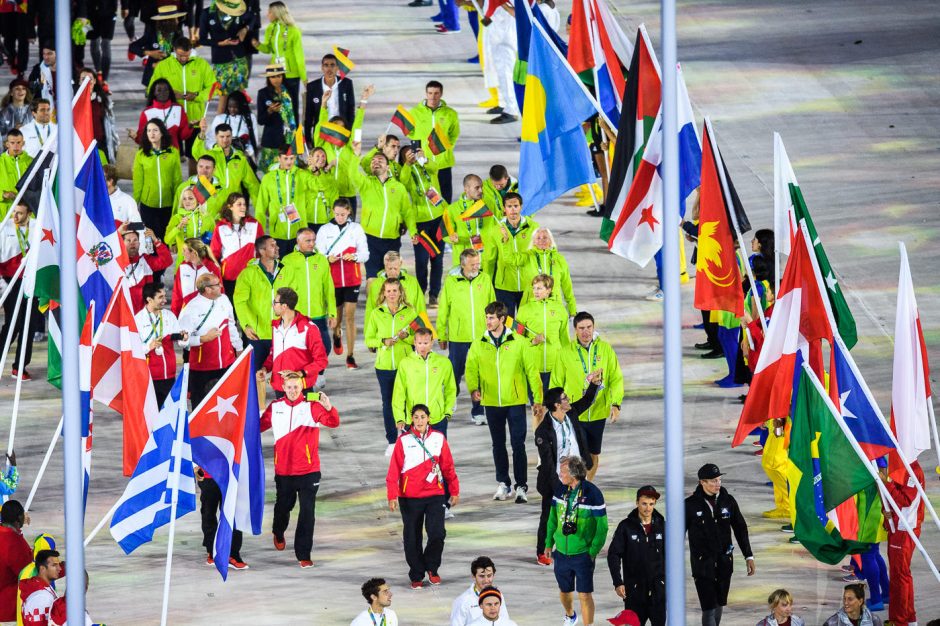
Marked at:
<point>145,505</point>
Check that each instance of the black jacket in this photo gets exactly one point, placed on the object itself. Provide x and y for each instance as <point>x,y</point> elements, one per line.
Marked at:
<point>638,560</point>
<point>710,547</point>
<point>547,444</point>
<point>273,131</point>
<point>213,29</point>
<point>347,104</point>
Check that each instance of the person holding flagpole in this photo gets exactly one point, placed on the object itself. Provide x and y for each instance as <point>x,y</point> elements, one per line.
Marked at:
<point>14,244</point>
<point>158,328</point>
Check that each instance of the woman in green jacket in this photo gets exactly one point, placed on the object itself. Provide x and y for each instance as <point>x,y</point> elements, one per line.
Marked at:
<point>388,333</point>
<point>282,42</point>
<point>191,221</point>
<point>157,173</point>
<point>321,190</point>
<point>547,319</point>
<point>543,257</point>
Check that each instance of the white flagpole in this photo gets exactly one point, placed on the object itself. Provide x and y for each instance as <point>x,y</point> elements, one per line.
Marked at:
<point>861,455</point>
<point>174,492</point>
<point>726,192</point>
<point>19,272</point>
<point>104,520</point>
<point>936,438</point>
<point>9,339</point>
<point>45,462</point>
<point>778,208</point>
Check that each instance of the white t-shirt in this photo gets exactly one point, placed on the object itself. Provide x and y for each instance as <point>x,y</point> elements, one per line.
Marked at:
<point>332,105</point>
<point>566,440</point>
<point>367,618</point>
<point>124,208</point>
<point>466,610</point>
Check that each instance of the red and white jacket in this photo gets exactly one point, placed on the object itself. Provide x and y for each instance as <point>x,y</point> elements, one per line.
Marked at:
<point>150,327</point>
<point>184,283</point>
<point>297,348</point>
<point>140,270</point>
<point>14,242</point>
<point>37,596</point>
<point>235,246</point>
<point>198,318</point>
<point>411,466</point>
<point>346,239</point>
<point>173,117</point>
<point>909,501</point>
<point>296,427</point>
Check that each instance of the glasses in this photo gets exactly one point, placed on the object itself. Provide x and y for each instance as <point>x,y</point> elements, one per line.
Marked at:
<point>214,285</point>
<point>276,302</point>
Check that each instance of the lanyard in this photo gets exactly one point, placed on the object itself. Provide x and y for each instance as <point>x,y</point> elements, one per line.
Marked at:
<point>569,508</point>
<point>39,134</point>
<point>377,622</point>
<point>293,183</point>
<point>22,238</point>
<point>565,431</point>
<point>593,362</point>
<point>342,230</point>
<point>156,327</point>
<point>551,263</point>
<point>205,317</point>
<point>434,465</point>
<point>195,218</point>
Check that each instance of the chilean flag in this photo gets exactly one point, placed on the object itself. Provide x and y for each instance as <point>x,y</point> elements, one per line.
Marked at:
<point>799,321</point>
<point>226,442</point>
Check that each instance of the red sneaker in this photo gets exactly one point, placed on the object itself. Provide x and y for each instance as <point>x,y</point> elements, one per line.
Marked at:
<point>544,560</point>
<point>418,584</point>
<point>306,564</point>
<point>131,56</point>
<point>351,363</point>
<point>279,543</point>
<point>25,376</point>
<point>337,344</point>
<point>210,560</point>
<point>239,565</point>
<point>434,579</point>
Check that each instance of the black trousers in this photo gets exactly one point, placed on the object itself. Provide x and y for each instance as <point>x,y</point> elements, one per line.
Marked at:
<point>542,532</point>
<point>712,592</point>
<point>417,515</point>
<point>200,383</point>
<point>428,271</point>
<point>15,326</point>
<point>210,499</point>
<point>445,178</point>
<point>649,608</point>
<point>15,30</point>
<point>162,389</point>
<point>289,490</point>
<point>157,218</point>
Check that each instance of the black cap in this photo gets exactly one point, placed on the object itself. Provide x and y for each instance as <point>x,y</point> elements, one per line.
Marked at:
<point>647,491</point>
<point>709,471</point>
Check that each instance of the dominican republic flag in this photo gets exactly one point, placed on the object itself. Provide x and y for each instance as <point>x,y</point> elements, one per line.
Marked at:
<point>101,255</point>
<point>147,500</point>
<point>858,408</point>
<point>120,377</point>
<point>226,441</point>
<point>638,231</point>
<point>799,321</point>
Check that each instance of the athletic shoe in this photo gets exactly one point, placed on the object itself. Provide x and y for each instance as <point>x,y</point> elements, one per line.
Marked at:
<point>419,3</point>
<point>486,104</point>
<point>759,452</point>
<point>570,620</point>
<point>444,30</point>
<point>321,382</point>
<point>417,584</point>
<point>351,363</point>
<point>776,514</point>
<point>786,528</point>
<point>279,543</point>
<point>544,560</point>
<point>703,346</point>
<point>236,564</point>
<point>434,579</point>
<point>474,60</point>
<point>851,578</point>
<point>39,336</point>
<point>337,344</point>
<point>131,56</point>
<point>728,382</point>
<point>595,213</point>
<point>793,540</point>
<point>389,450</point>
<point>504,118</point>
<point>494,110</point>
<point>521,497</point>
<point>25,375</point>
<point>713,354</point>
<point>449,513</point>
<point>502,492</point>
<point>432,302</point>
<point>655,296</point>
<point>848,569</point>
<point>210,560</point>
<point>479,420</point>
<point>306,564</point>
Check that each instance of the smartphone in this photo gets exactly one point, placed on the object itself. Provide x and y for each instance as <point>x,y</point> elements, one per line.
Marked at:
<point>176,337</point>
<point>136,226</point>
<point>313,396</point>
<point>415,144</point>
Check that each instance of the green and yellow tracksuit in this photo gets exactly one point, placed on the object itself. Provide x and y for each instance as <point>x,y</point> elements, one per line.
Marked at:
<point>233,171</point>
<point>467,231</point>
<point>284,44</point>
<point>494,197</point>
<point>504,260</point>
<point>575,362</point>
<point>382,324</point>
<point>500,368</point>
<point>385,206</point>
<point>280,188</point>
<point>156,177</point>
<point>321,194</point>
<point>254,298</point>
<point>546,317</point>
<point>394,167</point>
<point>309,275</point>
<point>551,263</point>
<point>461,316</point>
<point>197,76</point>
<point>417,179</point>
<point>425,120</point>
<point>427,381</point>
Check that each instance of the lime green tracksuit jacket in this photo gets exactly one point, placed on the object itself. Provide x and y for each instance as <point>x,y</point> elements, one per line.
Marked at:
<point>501,373</point>
<point>310,277</point>
<point>254,298</point>
<point>460,315</point>
<point>427,381</point>
<point>574,363</point>
<point>383,324</point>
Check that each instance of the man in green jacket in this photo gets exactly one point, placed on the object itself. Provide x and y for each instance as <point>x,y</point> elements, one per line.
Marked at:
<point>435,112</point>
<point>412,290</point>
<point>577,530</point>
<point>424,377</point>
<point>467,233</point>
<point>497,186</point>
<point>282,203</point>
<point>235,172</point>
<point>253,297</point>
<point>589,353</point>
<point>499,366</point>
<point>13,164</point>
<point>506,250</point>
<point>191,79</point>
<point>307,272</point>
<point>461,318</point>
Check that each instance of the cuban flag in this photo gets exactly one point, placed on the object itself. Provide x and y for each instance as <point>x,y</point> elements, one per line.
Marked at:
<point>101,255</point>
<point>148,498</point>
<point>218,430</point>
<point>858,408</point>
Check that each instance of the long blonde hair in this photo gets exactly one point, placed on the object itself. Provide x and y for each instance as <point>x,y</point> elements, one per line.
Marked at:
<point>402,298</point>
<point>282,13</point>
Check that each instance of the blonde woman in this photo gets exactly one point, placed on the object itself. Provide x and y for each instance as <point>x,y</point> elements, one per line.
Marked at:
<point>781,610</point>
<point>543,257</point>
<point>283,42</point>
<point>191,221</point>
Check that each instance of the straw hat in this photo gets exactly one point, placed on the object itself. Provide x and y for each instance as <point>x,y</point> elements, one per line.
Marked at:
<point>231,7</point>
<point>273,70</point>
<point>168,12</point>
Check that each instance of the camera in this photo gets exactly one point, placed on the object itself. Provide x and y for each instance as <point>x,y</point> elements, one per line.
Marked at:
<point>569,528</point>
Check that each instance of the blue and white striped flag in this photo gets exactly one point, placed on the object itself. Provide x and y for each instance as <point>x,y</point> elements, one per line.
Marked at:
<point>145,505</point>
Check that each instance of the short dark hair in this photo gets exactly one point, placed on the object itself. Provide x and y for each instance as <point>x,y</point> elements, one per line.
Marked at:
<point>151,290</point>
<point>286,150</point>
<point>380,155</point>
<point>342,202</point>
<point>288,297</point>
<point>395,137</point>
<point>424,331</point>
<point>481,563</point>
<point>421,407</point>
<point>371,587</point>
<point>43,556</point>
<point>581,316</point>
<point>327,57</point>
<point>512,195</point>
<point>110,172</point>
<point>498,172</point>
<point>11,512</point>
<point>13,132</point>
<point>496,308</point>
<point>261,242</point>
<point>434,83</point>
<point>182,43</point>
<point>209,159</point>
<point>552,397</point>
<point>34,106</point>
<point>223,127</point>
<point>858,589</point>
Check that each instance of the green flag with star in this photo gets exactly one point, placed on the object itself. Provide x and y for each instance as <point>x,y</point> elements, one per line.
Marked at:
<point>845,322</point>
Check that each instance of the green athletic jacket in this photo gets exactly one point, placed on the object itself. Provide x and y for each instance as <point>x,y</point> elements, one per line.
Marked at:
<point>460,316</point>
<point>199,225</point>
<point>321,194</point>
<point>254,298</point>
<point>196,76</point>
<point>446,118</point>
<point>280,188</point>
<point>310,277</point>
<point>382,324</point>
<point>501,373</point>
<point>385,206</point>
<point>394,168</point>
<point>546,317</point>
<point>233,171</point>
<point>466,229</point>
<point>586,505</point>
<point>213,204</point>
<point>574,363</point>
<point>283,43</point>
<point>417,179</point>
<point>156,177</point>
<point>552,263</point>
<point>494,197</point>
<point>11,170</point>
<point>413,293</point>
<point>346,160</point>
<point>504,260</point>
<point>424,381</point>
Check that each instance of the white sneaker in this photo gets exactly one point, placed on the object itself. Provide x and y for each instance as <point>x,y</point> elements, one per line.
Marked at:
<point>570,621</point>
<point>479,420</point>
<point>502,492</point>
<point>655,296</point>
<point>521,497</point>
<point>389,449</point>
<point>449,513</point>
<point>321,382</point>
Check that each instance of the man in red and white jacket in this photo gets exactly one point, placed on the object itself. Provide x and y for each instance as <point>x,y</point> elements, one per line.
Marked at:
<point>295,345</point>
<point>296,424</point>
<point>14,243</point>
<point>213,335</point>
<point>141,268</point>
<point>37,593</point>
<point>156,326</point>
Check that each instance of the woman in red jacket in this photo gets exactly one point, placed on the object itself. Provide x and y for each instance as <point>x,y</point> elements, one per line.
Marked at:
<point>420,464</point>
<point>196,262</point>
<point>233,241</point>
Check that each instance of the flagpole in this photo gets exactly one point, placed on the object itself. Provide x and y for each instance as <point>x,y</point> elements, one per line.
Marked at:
<point>778,205</point>
<point>71,398</point>
<point>174,494</point>
<point>9,339</point>
<point>861,455</point>
<point>933,428</point>
<point>45,462</point>
<point>726,192</point>
<point>104,520</point>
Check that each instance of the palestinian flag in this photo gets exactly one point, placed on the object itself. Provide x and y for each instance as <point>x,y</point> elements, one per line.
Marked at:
<point>423,321</point>
<point>343,61</point>
<point>300,144</point>
<point>204,189</point>
<point>438,141</point>
<point>404,120</point>
<point>641,100</point>
<point>478,209</point>
<point>429,243</point>
<point>336,134</point>
<point>517,327</point>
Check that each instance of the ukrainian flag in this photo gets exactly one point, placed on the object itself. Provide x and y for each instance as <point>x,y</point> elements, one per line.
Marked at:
<point>554,156</point>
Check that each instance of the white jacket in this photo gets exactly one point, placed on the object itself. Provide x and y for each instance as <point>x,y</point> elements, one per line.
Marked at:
<point>35,136</point>
<point>202,315</point>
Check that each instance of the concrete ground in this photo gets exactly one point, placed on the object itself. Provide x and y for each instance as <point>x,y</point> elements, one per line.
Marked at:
<point>853,89</point>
